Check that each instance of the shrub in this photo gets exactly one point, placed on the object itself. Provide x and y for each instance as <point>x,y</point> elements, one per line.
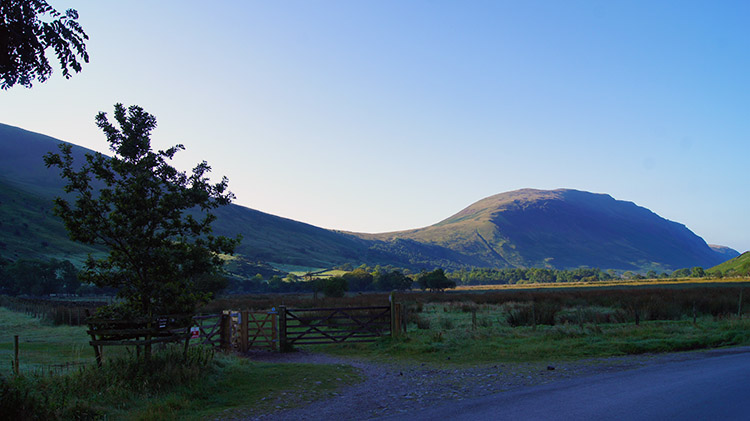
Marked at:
<point>446,323</point>
<point>72,396</point>
<point>591,314</point>
<point>422,322</point>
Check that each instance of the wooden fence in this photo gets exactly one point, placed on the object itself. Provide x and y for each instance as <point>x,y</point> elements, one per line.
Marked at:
<point>245,330</point>
<point>208,330</point>
<point>336,325</point>
<point>253,330</point>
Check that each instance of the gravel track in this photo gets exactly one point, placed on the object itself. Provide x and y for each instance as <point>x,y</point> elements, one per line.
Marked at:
<point>391,389</point>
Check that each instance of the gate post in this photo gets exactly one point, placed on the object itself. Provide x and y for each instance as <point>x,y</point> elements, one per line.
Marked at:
<point>395,316</point>
<point>274,330</point>
<point>282,329</point>
<point>226,331</point>
<point>244,322</point>
<point>397,319</point>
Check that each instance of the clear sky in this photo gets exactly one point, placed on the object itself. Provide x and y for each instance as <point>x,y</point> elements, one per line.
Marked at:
<point>376,116</point>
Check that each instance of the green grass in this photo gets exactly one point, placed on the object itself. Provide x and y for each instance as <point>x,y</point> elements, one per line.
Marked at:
<point>452,339</point>
<point>169,389</point>
<point>738,266</point>
<point>31,230</point>
<point>41,345</point>
<point>241,386</point>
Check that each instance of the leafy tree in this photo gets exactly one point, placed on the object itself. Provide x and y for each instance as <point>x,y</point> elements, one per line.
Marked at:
<point>275,284</point>
<point>39,277</point>
<point>290,277</point>
<point>388,281</point>
<point>681,273</point>
<point>25,37</point>
<point>137,208</point>
<point>335,286</point>
<point>435,280</point>
<point>359,280</point>
<point>697,272</point>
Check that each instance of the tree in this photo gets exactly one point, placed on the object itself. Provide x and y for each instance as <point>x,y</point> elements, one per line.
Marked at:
<point>335,286</point>
<point>138,209</point>
<point>25,37</point>
<point>435,280</point>
<point>681,273</point>
<point>388,281</point>
<point>359,280</point>
<point>39,277</point>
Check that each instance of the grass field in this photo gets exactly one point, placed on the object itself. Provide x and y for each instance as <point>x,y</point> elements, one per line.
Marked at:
<point>223,386</point>
<point>458,328</point>
<point>613,283</point>
<point>447,333</point>
<point>41,345</point>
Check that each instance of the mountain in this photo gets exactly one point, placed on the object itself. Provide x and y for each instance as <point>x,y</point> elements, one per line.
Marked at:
<point>726,252</point>
<point>564,229</point>
<point>30,229</point>
<point>525,228</point>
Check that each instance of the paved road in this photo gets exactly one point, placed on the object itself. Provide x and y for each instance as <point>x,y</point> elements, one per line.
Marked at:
<point>715,387</point>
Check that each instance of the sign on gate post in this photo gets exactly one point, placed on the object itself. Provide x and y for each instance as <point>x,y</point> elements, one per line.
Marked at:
<point>195,332</point>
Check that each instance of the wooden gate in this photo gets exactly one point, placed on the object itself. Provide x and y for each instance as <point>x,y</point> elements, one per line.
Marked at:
<point>257,329</point>
<point>209,329</point>
<point>332,325</point>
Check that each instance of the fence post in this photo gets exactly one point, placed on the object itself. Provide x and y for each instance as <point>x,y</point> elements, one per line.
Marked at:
<point>226,331</point>
<point>282,329</point>
<point>404,317</point>
<point>274,330</point>
<point>395,317</point>
<point>97,348</point>
<point>15,359</point>
<point>244,322</point>
<point>739,305</point>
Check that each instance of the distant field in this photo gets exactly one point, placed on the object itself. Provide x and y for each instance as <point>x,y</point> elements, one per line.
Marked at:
<point>295,269</point>
<point>42,346</point>
<point>464,333</point>
<point>330,273</point>
<point>615,283</point>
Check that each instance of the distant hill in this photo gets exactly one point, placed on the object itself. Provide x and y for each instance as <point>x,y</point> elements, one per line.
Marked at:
<point>525,228</point>
<point>726,252</point>
<point>739,266</point>
<point>564,229</point>
<point>27,188</point>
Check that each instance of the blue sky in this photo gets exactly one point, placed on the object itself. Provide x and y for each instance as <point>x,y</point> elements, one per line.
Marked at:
<point>377,116</point>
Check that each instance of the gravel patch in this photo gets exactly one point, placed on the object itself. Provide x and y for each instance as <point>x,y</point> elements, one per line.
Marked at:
<point>392,389</point>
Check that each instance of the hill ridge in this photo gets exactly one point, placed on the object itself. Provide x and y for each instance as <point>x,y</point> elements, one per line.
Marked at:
<point>559,228</point>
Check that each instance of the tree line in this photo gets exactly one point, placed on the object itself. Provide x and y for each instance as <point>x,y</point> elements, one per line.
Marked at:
<point>361,279</point>
<point>489,276</point>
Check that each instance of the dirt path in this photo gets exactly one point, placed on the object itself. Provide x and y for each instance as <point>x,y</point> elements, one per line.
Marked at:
<point>390,389</point>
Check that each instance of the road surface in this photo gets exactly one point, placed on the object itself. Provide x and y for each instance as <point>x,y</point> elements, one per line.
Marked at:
<point>714,387</point>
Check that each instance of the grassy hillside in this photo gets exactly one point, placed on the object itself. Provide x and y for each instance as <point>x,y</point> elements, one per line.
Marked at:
<point>29,229</point>
<point>739,266</point>
<point>565,229</point>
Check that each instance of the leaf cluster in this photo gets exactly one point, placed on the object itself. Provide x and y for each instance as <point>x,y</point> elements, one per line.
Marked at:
<point>25,37</point>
